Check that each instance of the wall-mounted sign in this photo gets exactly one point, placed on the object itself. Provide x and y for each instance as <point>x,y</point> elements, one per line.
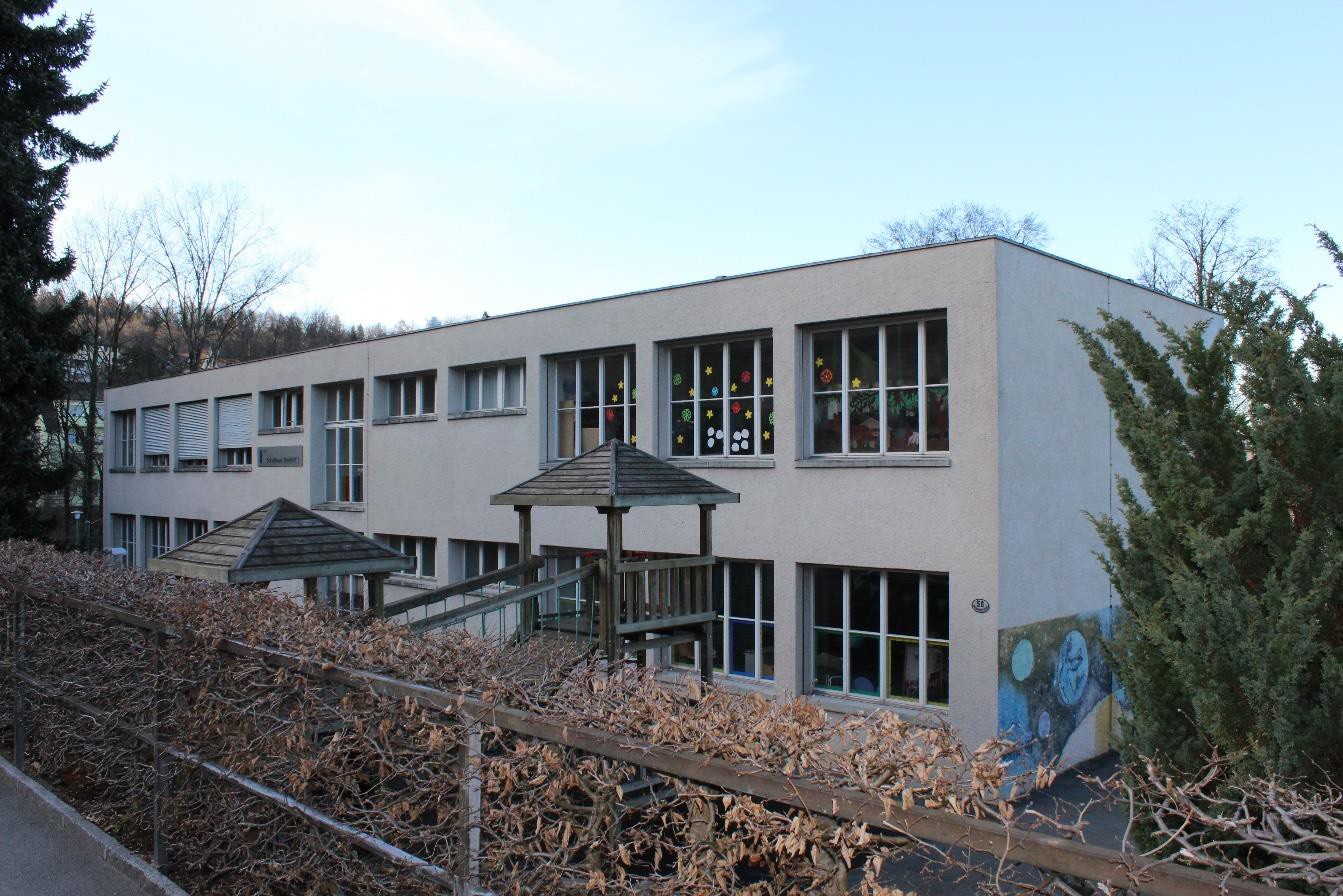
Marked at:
<point>280,456</point>
<point>979,605</point>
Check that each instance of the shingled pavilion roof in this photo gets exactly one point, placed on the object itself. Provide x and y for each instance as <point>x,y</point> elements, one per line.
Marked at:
<point>615,474</point>
<point>277,541</point>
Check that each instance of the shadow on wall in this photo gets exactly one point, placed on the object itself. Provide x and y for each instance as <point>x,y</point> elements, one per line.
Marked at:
<point>1056,693</point>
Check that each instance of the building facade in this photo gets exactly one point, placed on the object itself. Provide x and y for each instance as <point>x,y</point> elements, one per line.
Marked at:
<point>916,438</point>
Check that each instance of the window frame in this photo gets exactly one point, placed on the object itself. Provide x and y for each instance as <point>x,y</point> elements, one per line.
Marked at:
<point>400,384</point>
<point>884,638</point>
<point>235,458</point>
<point>346,602</point>
<point>723,637</point>
<point>471,378</point>
<point>883,387</point>
<point>186,525</point>
<point>421,548</point>
<point>124,439</point>
<point>125,535</point>
<point>148,525</point>
<point>468,546</point>
<point>345,398</point>
<point>627,389</point>
<point>282,409</point>
<point>762,438</point>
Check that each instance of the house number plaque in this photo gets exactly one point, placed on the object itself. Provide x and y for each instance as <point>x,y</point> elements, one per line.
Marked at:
<point>979,605</point>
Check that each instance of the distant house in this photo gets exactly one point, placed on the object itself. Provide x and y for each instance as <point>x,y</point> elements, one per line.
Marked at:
<point>915,437</point>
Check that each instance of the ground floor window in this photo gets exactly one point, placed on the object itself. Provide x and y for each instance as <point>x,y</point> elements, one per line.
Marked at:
<point>571,607</point>
<point>476,558</point>
<point>188,529</point>
<point>348,594</point>
<point>157,539</point>
<point>123,535</point>
<point>420,549</point>
<point>743,634</point>
<point>881,633</point>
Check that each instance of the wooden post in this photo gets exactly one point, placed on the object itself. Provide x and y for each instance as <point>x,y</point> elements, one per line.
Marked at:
<point>468,801</point>
<point>160,779</point>
<point>528,613</point>
<point>375,593</point>
<point>20,635</point>
<point>310,592</point>
<point>611,616</point>
<point>704,600</point>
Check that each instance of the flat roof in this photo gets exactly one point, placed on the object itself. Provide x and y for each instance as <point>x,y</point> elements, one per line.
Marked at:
<point>704,282</point>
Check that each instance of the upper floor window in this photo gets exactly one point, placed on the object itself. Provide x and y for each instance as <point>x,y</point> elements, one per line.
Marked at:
<point>743,598</point>
<point>193,435</point>
<point>722,398</point>
<point>592,402</point>
<point>344,442</point>
<point>123,440</point>
<point>156,436</point>
<point>234,431</point>
<point>879,388</point>
<point>492,388</point>
<point>882,634</point>
<point>282,409</point>
<point>420,549</point>
<point>189,529</point>
<point>410,396</point>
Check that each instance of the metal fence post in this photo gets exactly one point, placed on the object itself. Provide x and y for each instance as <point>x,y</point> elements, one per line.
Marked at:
<point>20,635</point>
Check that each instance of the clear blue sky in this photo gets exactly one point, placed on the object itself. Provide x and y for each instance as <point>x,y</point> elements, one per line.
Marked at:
<point>440,158</point>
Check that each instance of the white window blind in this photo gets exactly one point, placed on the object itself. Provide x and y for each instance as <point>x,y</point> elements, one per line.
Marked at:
<point>235,422</point>
<point>156,430</point>
<point>193,431</point>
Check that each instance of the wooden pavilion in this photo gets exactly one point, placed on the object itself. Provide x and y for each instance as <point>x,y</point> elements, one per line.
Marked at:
<point>282,540</point>
<point>644,604</point>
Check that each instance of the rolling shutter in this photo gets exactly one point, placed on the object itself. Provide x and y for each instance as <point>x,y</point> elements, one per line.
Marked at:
<point>235,422</point>
<point>193,431</point>
<point>156,430</point>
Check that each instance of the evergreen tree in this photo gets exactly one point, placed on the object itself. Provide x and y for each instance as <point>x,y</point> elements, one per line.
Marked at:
<point>36,55</point>
<point>1229,562</point>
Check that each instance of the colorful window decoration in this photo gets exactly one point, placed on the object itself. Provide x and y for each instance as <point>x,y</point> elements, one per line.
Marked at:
<point>881,634</point>
<point>743,598</point>
<point>880,388</point>
<point>722,398</point>
<point>593,402</point>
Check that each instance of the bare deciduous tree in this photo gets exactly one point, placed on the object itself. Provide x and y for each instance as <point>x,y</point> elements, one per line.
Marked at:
<point>1197,247</point>
<point>214,260</point>
<point>963,221</point>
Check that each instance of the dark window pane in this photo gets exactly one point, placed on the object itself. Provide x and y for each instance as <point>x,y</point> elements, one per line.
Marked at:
<point>566,384</point>
<point>865,600</point>
<point>826,369</point>
<point>741,579</point>
<point>742,424</point>
<point>765,374</point>
<point>711,374</point>
<point>682,373</point>
<point>864,422</point>
<point>564,434</point>
<point>935,348</point>
<point>864,664</point>
<point>589,382</point>
<point>767,651</point>
<point>766,425</point>
<point>828,597</point>
<point>683,429</point>
<point>902,604</point>
<point>828,661</point>
<point>826,423</point>
<point>712,427</point>
<point>939,607</point>
<point>939,426</point>
<point>904,668</point>
<point>470,559</point>
<point>741,368</point>
<point>718,596</point>
<point>489,388</point>
<point>743,648</point>
<point>863,359</point>
<point>591,428</point>
<point>683,654</point>
<point>616,390</point>
<point>427,387</point>
<point>767,591</point>
<point>939,674</point>
<point>902,355</point>
<point>902,420</point>
<point>718,646</point>
<point>613,423</point>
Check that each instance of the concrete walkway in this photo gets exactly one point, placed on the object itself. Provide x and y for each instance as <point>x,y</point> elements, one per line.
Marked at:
<point>49,849</point>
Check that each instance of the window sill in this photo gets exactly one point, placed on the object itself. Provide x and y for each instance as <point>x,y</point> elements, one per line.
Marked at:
<point>721,463</point>
<point>349,506</point>
<point>913,460</point>
<point>494,412</point>
<point>848,705</point>
<point>423,584</point>
<point>121,469</point>
<point>278,430</point>
<point>188,470</point>
<point>738,683</point>
<point>235,468</point>
<point>417,418</point>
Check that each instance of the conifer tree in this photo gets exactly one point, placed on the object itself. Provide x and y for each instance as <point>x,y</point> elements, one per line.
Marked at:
<point>1229,560</point>
<point>36,55</point>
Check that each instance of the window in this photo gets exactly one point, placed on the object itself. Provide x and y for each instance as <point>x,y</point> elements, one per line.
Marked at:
<point>156,536</point>
<point>345,442</point>
<point>722,398</point>
<point>156,438</point>
<point>418,548</point>
<point>492,388</point>
<point>348,594</point>
<point>743,596</point>
<point>481,557</point>
<point>881,634</point>
<point>282,409</point>
<point>193,436</point>
<point>593,402</point>
<point>123,436</point>
<point>879,388</point>
<point>570,607</point>
<point>410,396</point>
<point>123,535</point>
<point>234,431</point>
<point>188,530</point>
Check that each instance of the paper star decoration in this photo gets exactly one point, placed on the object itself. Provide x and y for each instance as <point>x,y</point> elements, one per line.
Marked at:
<point>748,415</point>
<point>820,362</point>
<point>734,387</point>
<point>614,397</point>
<point>620,385</point>
<point>769,381</point>
<point>709,413</point>
<point>708,371</point>
<point>692,392</point>
<point>856,382</point>
<point>680,440</point>
<point>765,435</point>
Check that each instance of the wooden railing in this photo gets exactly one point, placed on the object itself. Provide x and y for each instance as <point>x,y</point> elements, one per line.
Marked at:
<point>669,599</point>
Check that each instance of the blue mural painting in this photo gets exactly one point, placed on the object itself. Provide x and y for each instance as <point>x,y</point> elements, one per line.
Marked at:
<point>1051,676</point>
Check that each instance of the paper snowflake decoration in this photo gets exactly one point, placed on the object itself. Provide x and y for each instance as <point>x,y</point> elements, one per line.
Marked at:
<point>712,436</point>
<point>686,415</point>
<point>676,379</point>
<point>827,375</point>
<point>714,391</point>
<point>741,440</point>
<point>771,418</point>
